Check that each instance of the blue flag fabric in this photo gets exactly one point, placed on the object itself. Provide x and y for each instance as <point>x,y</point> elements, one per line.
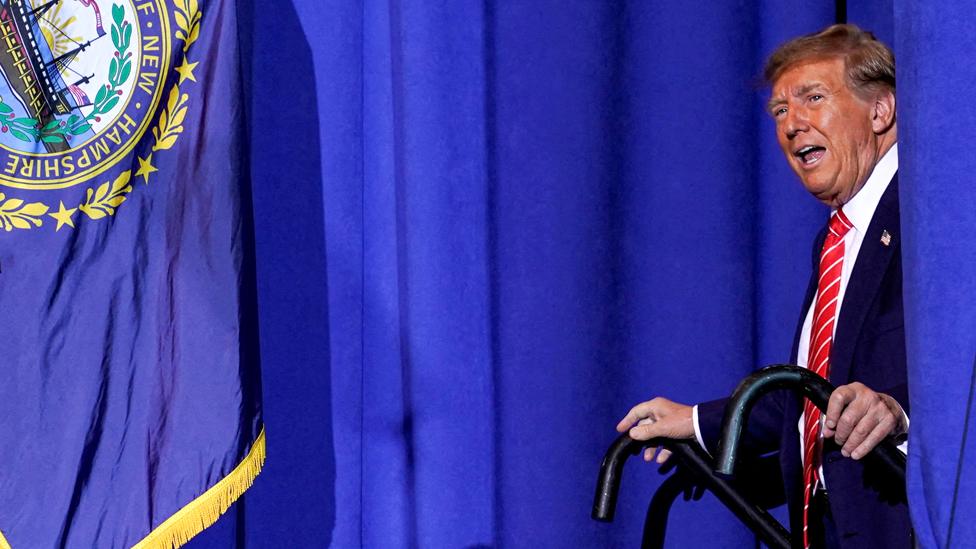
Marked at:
<point>129,394</point>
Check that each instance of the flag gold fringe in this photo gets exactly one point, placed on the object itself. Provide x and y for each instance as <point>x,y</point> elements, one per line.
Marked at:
<point>202,512</point>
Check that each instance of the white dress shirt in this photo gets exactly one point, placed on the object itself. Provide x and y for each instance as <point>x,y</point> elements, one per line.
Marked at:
<point>859,210</point>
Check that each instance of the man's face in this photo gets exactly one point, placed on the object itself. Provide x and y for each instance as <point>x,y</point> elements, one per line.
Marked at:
<point>824,129</point>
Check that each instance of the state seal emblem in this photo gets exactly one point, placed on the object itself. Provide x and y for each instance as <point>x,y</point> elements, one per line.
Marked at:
<point>81,84</point>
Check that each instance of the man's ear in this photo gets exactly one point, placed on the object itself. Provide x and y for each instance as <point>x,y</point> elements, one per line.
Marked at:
<point>883,117</point>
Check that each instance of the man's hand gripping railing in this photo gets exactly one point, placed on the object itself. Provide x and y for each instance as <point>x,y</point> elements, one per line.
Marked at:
<point>785,376</point>
<point>717,478</point>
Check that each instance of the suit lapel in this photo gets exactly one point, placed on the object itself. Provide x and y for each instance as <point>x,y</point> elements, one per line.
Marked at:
<point>869,270</point>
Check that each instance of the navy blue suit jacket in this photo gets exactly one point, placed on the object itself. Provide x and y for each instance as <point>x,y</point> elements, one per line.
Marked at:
<point>868,506</point>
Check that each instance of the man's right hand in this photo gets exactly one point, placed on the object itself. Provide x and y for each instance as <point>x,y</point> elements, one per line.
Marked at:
<point>658,418</point>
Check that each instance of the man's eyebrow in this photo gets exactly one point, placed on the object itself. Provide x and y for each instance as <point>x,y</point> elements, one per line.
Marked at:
<point>801,91</point>
<point>805,89</point>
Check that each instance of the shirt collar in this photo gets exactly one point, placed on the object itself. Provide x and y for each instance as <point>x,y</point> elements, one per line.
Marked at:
<point>860,208</point>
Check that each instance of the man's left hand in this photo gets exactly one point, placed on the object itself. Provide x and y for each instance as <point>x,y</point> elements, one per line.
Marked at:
<point>859,418</point>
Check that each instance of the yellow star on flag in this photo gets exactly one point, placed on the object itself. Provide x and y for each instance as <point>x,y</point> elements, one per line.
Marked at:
<point>64,217</point>
<point>186,71</point>
<point>146,167</point>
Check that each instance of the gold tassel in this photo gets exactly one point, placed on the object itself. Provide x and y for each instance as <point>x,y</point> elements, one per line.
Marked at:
<point>203,511</point>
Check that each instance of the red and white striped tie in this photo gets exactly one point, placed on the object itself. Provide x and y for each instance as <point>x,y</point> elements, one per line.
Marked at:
<point>818,359</point>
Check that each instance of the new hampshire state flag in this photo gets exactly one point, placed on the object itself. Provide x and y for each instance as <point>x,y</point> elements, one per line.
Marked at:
<point>129,384</point>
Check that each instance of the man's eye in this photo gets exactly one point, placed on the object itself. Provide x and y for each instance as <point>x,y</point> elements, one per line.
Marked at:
<point>816,98</point>
<point>779,111</point>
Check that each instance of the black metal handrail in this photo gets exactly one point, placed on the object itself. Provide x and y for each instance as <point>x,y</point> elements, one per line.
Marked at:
<point>718,479</point>
<point>784,376</point>
<point>691,456</point>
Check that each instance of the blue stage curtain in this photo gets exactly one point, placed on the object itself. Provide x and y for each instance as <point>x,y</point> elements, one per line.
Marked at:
<point>485,229</point>
<point>936,74</point>
<point>522,217</point>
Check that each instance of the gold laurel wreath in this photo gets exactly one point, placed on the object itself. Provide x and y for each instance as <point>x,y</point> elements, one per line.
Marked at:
<point>171,120</point>
<point>188,17</point>
<point>105,200</point>
<point>14,214</point>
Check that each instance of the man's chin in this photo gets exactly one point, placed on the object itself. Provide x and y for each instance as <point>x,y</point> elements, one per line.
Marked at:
<point>816,188</point>
<point>823,192</point>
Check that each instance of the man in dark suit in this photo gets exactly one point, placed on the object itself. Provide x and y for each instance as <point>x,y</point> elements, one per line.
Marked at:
<point>833,102</point>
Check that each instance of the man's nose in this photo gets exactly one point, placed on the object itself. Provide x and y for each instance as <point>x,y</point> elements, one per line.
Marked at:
<point>796,122</point>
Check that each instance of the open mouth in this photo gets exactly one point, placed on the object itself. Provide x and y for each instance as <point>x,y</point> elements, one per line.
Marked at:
<point>810,154</point>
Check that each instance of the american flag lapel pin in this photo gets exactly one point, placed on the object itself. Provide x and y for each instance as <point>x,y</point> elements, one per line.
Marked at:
<point>886,237</point>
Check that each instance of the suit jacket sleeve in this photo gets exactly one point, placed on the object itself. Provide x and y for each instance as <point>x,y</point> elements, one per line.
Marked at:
<point>763,430</point>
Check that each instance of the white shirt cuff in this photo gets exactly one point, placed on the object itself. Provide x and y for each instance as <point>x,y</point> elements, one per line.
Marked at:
<point>903,447</point>
<point>698,436</point>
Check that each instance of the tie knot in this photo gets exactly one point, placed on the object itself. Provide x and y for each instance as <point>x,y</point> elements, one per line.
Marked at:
<point>839,224</point>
